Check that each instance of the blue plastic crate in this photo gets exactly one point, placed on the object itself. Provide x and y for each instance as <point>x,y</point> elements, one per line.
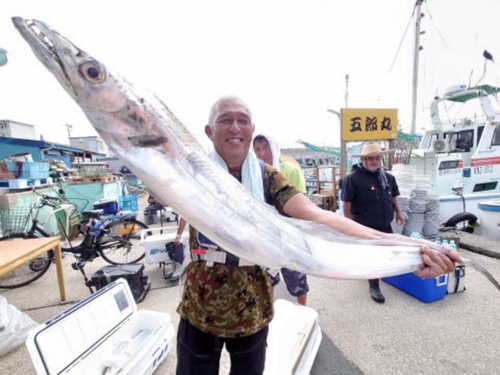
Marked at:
<point>426,290</point>
<point>29,170</point>
<point>129,202</point>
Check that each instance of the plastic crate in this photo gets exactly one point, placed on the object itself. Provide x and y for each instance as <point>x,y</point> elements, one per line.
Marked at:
<point>129,202</point>
<point>29,170</point>
<point>426,290</point>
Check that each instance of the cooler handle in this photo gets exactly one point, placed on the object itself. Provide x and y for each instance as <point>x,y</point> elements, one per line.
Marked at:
<point>442,280</point>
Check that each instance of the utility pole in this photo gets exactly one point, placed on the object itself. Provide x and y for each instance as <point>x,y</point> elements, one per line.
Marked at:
<point>69,127</point>
<point>342,145</point>
<point>343,148</point>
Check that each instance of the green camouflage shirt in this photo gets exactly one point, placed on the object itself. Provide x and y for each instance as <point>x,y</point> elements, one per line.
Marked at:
<point>231,301</point>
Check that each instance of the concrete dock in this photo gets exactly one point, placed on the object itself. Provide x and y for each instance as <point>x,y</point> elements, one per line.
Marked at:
<point>459,334</point>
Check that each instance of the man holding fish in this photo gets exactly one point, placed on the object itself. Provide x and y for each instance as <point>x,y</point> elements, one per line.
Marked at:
<point>231,302</point>
<point>227,300</point>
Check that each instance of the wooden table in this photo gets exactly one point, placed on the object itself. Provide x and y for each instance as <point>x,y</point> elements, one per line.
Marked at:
<point>14,254</point>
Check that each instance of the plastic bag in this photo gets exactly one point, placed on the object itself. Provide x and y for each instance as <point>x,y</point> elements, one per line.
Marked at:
<point>14,326</point>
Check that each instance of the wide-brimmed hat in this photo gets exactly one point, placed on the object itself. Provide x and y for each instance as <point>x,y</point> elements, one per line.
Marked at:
<point>372,149</point>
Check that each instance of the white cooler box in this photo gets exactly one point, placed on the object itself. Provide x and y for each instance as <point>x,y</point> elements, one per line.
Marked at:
<point>154,240</point>
<point>102,334</point>
<point>293,340</point>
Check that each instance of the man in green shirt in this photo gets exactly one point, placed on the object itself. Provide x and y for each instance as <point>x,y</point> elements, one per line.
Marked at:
<point>266,148</point>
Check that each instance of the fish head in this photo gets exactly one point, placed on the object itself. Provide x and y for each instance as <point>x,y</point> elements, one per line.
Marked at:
<point>108,100</point>
<point>83,77</point>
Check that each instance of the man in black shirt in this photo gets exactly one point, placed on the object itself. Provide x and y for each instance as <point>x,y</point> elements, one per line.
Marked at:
<point>369,198</point>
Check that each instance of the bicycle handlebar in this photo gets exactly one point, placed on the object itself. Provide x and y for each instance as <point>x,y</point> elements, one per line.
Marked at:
<point>48,197</point>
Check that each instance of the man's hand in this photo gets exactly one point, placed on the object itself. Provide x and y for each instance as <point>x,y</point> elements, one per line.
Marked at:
<point>437,263</point>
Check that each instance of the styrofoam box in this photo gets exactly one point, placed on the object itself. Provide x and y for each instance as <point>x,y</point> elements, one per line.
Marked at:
<point>293,340</point>
<point>103,333</point>
<point>154,241</point>
<point>18,184</point>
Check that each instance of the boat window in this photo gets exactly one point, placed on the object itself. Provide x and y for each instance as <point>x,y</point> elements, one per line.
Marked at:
<point>496,137</point>
<point>479,133</point>
<point>464,140</point>
<point>485,186</point>
<point>448,164</point>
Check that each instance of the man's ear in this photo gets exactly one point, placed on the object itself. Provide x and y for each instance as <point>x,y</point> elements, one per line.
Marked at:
<point>208,131</point>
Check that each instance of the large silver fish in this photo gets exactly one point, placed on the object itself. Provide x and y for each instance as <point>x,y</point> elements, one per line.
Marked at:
<point>142,131</point>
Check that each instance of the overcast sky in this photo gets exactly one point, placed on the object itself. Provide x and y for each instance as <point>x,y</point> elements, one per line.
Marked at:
<point>286,58</point>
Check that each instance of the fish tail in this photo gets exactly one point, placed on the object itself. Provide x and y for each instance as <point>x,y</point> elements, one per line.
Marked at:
<point>482,270</point>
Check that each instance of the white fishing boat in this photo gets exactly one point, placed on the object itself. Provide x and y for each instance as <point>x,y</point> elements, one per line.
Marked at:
<point>461,154</point>
<point>490,216</point>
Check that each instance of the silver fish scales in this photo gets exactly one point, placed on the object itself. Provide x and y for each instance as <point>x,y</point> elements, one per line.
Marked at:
<point>141,130</point>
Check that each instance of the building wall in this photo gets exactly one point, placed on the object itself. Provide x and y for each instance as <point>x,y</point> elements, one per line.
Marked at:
<point>15,129</point>
<point>94,144</point>
<point>7,150</point>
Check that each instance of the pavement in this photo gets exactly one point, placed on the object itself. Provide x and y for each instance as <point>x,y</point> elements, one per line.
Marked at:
<point>458,334</point>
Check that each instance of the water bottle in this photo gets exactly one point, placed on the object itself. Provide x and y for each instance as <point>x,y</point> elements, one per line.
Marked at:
<point>445,242</point>
<point>416,235</point>
<point>96,228</point>
<point>438,241</point>
<point>453,245</point>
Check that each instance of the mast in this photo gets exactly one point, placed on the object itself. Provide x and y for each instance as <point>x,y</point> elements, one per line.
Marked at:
<point>416,51</point>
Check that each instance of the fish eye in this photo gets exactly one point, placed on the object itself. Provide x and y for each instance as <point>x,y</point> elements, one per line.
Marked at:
<point>92,72</point>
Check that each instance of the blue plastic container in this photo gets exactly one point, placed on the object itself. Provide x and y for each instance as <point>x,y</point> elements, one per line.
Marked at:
<point>29,170</point>
<point>110,206</point>
<point>426,290</point>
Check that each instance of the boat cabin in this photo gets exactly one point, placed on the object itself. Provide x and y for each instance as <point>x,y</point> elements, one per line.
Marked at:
<point>461,151</point>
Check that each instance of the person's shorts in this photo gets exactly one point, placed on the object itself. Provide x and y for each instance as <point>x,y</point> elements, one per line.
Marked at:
<point>296,282</point>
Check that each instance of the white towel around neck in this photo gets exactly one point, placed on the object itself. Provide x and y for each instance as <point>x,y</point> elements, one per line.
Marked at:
<point>251,173</point>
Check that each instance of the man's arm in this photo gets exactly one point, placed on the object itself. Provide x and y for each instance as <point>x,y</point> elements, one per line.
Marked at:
<point>300,207</point>
<point>180,230</point>
<point>346,206</point>
<point>400,219</point>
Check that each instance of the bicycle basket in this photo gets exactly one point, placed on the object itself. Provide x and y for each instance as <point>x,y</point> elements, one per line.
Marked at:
<point>14,219</point>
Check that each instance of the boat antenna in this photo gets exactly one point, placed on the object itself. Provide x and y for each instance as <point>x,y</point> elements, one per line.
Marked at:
<point>416,51</point>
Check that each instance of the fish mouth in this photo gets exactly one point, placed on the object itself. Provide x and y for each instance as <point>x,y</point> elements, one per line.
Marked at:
<point>41,39</point>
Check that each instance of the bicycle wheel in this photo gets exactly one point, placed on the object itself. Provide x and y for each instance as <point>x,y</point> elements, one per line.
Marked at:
<point>28,272</point>
<point>120,242</point>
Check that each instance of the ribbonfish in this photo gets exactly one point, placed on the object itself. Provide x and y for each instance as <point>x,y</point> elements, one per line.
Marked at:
<point>159,150</point>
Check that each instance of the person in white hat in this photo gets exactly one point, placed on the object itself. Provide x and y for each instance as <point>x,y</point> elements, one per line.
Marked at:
<point>369,198</point>
<point>266,149</point>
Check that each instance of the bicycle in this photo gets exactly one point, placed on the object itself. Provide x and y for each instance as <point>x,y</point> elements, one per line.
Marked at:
<point>115,239</point>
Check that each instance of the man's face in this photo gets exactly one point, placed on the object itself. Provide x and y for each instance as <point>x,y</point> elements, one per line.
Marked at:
<point>263,151</point>
<point>372,163</point>
<point>232,131</point>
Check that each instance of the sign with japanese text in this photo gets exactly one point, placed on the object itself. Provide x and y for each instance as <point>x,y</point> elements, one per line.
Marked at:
<point>363,124</point>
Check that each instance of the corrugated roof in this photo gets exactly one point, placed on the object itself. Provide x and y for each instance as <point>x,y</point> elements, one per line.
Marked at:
<point>43,144</point>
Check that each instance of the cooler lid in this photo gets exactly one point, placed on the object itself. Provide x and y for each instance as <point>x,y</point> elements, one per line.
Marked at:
<point>61,341</point>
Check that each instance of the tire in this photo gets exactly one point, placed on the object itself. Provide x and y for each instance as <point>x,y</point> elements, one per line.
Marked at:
<point>120,243</point>
<point>471,220</point>
<point>28,272</point>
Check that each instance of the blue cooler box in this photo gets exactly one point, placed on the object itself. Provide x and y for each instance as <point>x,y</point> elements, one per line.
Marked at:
<point>426,290</point>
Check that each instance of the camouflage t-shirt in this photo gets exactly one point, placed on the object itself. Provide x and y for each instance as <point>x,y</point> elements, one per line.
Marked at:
<point>231,301</point>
